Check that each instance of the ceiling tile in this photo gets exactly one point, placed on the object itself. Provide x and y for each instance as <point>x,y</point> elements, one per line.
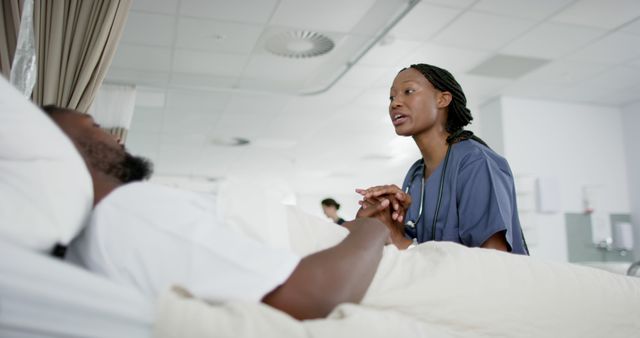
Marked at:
<point>616,78</point>
<point>507,66</point>
<point>223,64</point>
<point>564,73</point>
<point>312,14</point>
<point>376,98</point>
<point>156,6</point>
<point>217,35</point>
<point>539,9</point>
<point>456,60</point>
<point>482,31</point>
<point>423,21</point>
<point>267,66</point>
<point>361,76</point>
<point>205,102</point>
<point>632,28</point>
<point>202,81</point>
<point>552,40</point>
<point>477,88</point>
<point>635,63</point>
<point>182,122</point>
<point>149,29</point>
<point>191,140</point>
<point>336,96</point>
<point>620,97</point>
<point>452,3</point>
<point>137,57</point>
<point>174,159</point>
<point>612,49</point>
<point>246,11</point>
<point>597,13</point>
<point>255,104</point>
<point>147,120</point>
<point>138,77</point>
<point>150,98</point>
<point>245,126</point>
<point>389,53</point>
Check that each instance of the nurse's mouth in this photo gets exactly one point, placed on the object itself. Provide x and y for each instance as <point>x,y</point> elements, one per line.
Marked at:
<point>398,119</point>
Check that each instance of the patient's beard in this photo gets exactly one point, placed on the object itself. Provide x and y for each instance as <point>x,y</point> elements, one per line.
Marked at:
<point>116,162</point>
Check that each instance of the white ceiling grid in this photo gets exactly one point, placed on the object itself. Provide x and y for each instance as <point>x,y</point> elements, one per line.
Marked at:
<point>206,59</point>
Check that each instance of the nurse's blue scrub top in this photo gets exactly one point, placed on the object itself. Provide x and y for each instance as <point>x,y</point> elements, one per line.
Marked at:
<point>478,199</point>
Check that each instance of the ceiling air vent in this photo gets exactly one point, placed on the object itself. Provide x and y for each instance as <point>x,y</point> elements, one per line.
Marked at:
<point>299,44</point>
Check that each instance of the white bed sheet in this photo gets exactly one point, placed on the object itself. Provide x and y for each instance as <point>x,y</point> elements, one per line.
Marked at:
<point>437,289</point>
<point>41,296</point>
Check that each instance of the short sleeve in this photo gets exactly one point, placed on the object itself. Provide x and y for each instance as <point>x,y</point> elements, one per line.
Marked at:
<point>175,238</point>
<point>484,201</point>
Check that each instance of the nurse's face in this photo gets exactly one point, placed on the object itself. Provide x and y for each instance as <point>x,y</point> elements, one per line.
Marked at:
<point>416,106</point>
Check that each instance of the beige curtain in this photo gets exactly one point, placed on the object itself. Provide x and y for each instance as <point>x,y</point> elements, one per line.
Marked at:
<point>77,40</point>
<point>10,11</point>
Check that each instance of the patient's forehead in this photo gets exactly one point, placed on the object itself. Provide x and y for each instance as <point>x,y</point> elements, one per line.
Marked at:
<point>70,117</point>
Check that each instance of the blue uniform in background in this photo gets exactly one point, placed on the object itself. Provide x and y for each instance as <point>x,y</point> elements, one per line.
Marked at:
<point>478,199</point>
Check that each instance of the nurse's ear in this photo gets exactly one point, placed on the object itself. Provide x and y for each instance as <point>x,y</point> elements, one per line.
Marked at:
<point>443,99</point>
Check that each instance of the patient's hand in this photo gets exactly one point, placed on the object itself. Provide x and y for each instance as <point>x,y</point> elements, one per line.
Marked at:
<point>380,208</point>
<point>399,200</point>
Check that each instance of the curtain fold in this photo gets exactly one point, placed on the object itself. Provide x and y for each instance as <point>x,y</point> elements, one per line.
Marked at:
<point>113,108</point>
<point>77,40</point>
<point>10,11</point>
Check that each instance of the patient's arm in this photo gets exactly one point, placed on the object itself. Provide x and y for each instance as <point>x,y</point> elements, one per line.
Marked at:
<point>340,274</point>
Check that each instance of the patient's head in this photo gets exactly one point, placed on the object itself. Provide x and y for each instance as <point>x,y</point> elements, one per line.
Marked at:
<point>100,150</point>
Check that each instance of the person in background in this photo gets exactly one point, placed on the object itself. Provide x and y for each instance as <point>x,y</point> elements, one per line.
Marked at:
<point>330,208</point>
<point>459,190</point>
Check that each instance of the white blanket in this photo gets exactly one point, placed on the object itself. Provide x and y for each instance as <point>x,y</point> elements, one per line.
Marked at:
<point>434,290</point>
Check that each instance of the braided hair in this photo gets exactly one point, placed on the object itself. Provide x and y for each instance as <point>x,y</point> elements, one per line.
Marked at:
<point>458,114</point>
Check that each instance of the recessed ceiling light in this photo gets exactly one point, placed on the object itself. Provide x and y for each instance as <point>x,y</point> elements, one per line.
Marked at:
<point>230,142</point>
<point>299,44</point>
<point>217,37</point>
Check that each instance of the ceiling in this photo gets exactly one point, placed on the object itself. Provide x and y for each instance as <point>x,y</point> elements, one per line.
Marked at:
<point>204,78</point>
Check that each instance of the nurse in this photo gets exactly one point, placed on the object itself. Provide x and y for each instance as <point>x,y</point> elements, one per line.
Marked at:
<point>460,190</point>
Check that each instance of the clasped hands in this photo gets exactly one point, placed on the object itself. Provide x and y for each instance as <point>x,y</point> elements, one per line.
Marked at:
<point>387,203</point>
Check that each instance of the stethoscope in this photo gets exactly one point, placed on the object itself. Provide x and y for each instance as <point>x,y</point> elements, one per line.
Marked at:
<point>412,223</point>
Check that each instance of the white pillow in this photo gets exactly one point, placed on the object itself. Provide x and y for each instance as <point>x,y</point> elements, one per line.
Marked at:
<point>46,192</point>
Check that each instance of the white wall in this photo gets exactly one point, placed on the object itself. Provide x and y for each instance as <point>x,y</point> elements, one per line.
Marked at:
<point>630,125</point>
<point>575,144</point>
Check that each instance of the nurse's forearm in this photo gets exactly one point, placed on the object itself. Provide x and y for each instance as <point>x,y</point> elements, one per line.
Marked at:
<point>340,274</point>
<point>497,242</point>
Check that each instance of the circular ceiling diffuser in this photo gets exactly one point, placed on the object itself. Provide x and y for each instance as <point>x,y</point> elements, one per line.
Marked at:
<point>299,44</point>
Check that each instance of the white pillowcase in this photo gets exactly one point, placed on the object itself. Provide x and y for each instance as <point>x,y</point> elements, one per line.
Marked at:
<point>46,192</point>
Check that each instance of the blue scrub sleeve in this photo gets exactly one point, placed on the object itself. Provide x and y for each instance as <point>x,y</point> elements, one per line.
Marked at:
<point>485,207</point>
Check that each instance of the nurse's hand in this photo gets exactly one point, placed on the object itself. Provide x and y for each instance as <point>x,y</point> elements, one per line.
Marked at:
<point>399,200</point>
<point>380,209</point>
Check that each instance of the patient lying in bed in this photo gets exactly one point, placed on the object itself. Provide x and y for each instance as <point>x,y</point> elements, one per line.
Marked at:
<point>152,237</point>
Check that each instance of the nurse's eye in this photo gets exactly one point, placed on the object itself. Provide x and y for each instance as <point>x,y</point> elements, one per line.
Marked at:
<point>391,98</point>
<point>409,91</point>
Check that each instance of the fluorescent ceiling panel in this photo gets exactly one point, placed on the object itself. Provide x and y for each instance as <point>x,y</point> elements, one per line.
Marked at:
<point>507,66</point>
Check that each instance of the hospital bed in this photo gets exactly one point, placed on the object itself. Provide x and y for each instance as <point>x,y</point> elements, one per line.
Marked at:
<point>43,297</point>
<point>433,290</point>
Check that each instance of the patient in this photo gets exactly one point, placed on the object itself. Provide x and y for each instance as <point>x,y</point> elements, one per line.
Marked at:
<point>151,237</point>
